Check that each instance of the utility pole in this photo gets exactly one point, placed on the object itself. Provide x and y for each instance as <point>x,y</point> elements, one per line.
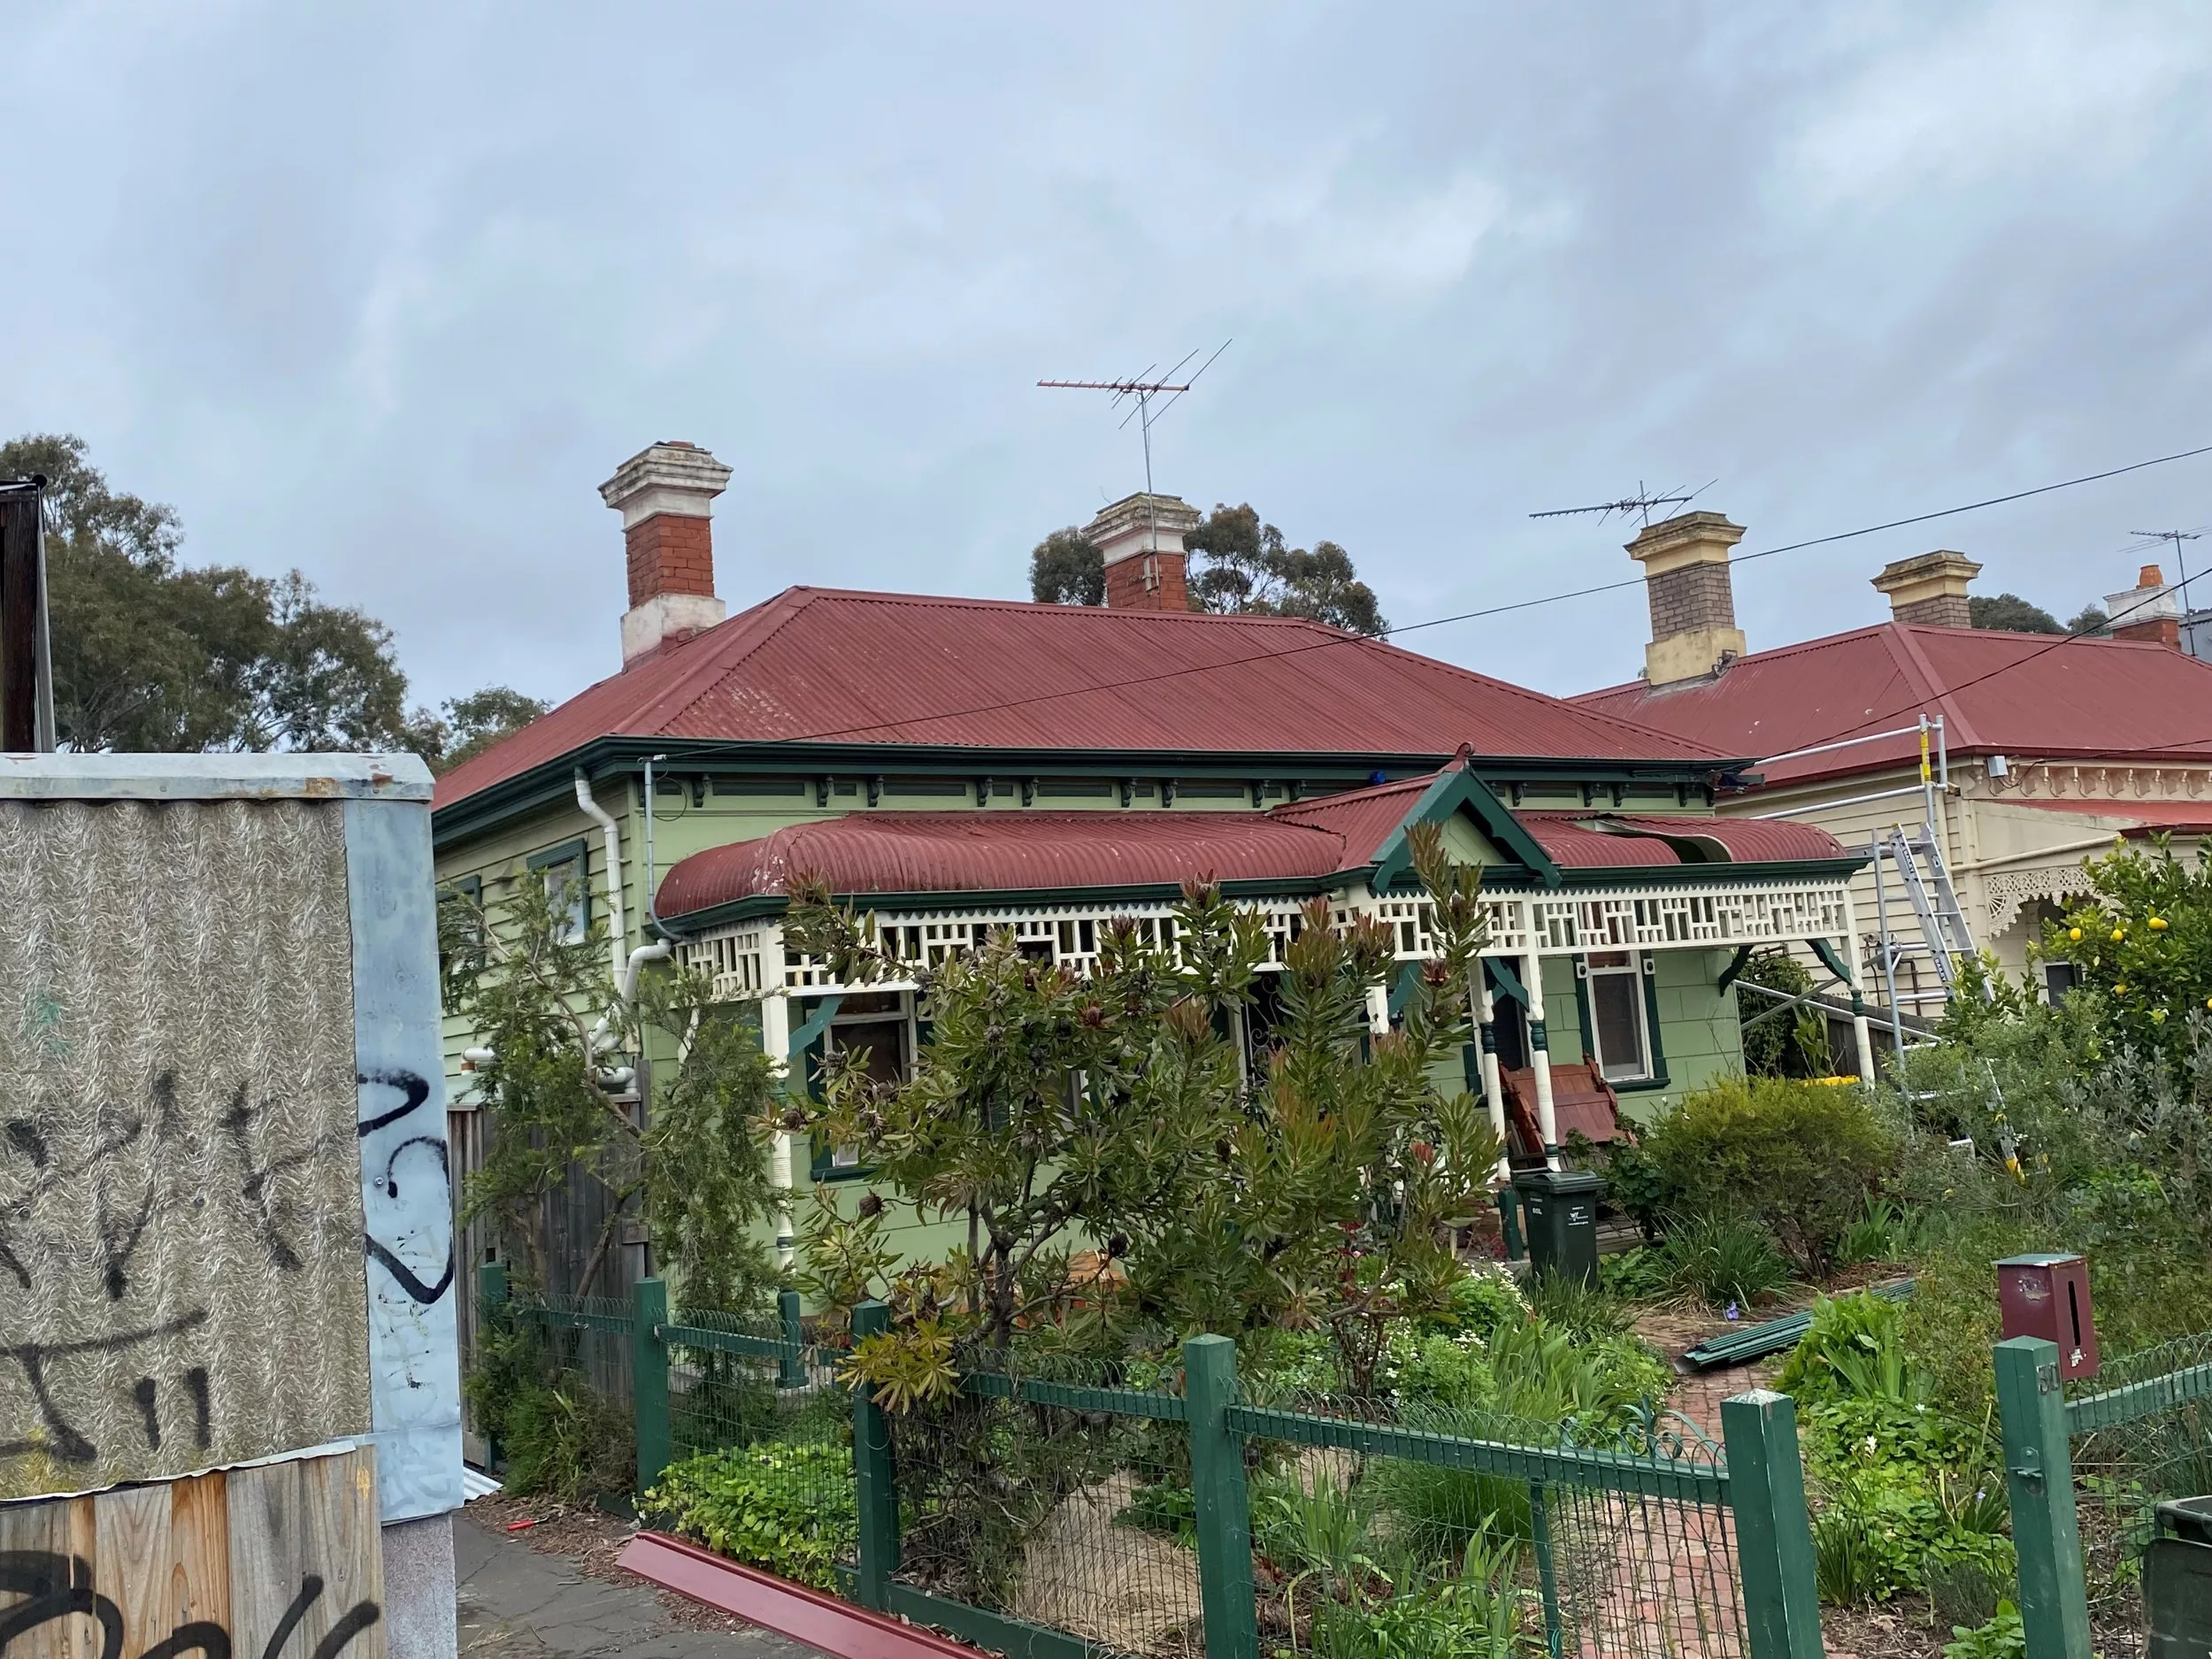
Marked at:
<point>26,672</point>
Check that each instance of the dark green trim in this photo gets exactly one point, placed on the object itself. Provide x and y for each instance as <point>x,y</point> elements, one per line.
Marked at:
<point>1828,959</point>
<point>578,847</point>
<point>1462,791</point>
<point>1604,1472</point>
<point>552,782</point>
<point>995,1632</point>
<point>1121,1402</point>
<point>2117,1406</point>
<point>1735,967</point>
<point>1508,981</point>
<point>1633,1086</point>
<point>705,1337</point>
<point>1401,993</point>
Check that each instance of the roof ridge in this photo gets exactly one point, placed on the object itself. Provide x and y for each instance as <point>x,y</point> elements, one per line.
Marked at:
<point>1936,688</point>
<point>983,601</point>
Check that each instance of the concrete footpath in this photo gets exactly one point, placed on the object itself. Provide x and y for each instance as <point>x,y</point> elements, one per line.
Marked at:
<point>517,1602</point>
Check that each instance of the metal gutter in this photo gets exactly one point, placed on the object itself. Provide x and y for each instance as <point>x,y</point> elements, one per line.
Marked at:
<point>1756,1341</point>
<point>286,777</point>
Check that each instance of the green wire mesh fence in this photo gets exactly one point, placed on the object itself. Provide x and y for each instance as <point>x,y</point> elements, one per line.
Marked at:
<point>2140,1434</point>
<point>1059,1495</point>
<point>1380,1529</point>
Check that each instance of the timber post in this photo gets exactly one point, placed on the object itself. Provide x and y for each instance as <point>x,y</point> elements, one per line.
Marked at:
<point>2039,1483</point>
<point>1774,1533</point>
<point>1225,1509</point>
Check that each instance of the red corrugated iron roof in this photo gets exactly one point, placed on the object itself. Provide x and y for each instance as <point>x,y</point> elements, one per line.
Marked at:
<point>2144,817</point>
<point>1999,692</point>
<point>822,665</point>
<point>1003,851</point>
<point>1741,840</point>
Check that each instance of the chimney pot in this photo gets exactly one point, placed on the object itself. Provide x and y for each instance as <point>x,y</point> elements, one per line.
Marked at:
<point>2150,611</point>
<point>665,495</point>
<point>1141,538</point>
<point>1693,630</point>
<point>1929,589</point>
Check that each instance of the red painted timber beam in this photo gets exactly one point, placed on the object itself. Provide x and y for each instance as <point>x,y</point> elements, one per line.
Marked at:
<point>760,1598</point>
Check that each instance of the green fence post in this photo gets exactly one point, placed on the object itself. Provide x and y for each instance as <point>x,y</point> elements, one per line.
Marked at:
<point>2040,1482</point>
<point>1774,1531</point>
<point>649,1378</point>
<point>1547,1569</point>
<point>1224,1508</point>
<point>875,1490</point>
<point>791,1370</point>
<point>491,1292</point>
<point>1509,1223</point>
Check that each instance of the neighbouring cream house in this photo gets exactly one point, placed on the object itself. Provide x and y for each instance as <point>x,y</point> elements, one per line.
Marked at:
<point>955,766</point>
<point>2040,750</point>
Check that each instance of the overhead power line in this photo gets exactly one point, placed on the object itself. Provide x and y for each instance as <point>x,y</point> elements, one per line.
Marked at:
<point>1341,640</point>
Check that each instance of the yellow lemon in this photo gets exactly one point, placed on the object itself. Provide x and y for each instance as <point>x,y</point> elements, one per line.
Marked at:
<point>2118,933</point>
<point>2074,933</point>
<point>2158,924</point>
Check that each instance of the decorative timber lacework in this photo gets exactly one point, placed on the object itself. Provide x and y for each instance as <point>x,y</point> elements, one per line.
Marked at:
<point>749,960</point>
<point>2013,891</point>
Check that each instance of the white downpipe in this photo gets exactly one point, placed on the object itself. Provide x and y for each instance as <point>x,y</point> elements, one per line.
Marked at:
<point>1862,1039</point>
<point>618,928</point>
<point>1493,1090</point>
<point>775,1038</point>
<point>1540,1061</point>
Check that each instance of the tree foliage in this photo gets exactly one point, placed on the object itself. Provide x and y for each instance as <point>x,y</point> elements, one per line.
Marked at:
<point>2011,614</point>
<point>1048,1111</point>
<point>1066,568</point>
<point>466,726</point>
<point>1245,566</point>
<point>541,1001</point>
<point>2141,940</point>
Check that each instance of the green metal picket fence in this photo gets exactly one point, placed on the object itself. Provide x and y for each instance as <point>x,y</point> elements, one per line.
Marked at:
<point>2086,1476</point>
<point>1078,1510</point>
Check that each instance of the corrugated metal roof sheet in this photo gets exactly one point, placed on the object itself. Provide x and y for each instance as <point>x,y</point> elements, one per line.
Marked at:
<point>1743,840</point>
<point>2011,694</point>
<point>1573,845</point>
<point>949,852</point>
<point>1362,818</point>
<point>822,665</point>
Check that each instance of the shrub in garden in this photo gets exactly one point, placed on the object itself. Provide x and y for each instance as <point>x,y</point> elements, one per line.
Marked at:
<point>787,1507</point>
<point>2141,940</point>
<point>565,1439</point>
<point>1800,1158</point>
<point>1721,1259</point>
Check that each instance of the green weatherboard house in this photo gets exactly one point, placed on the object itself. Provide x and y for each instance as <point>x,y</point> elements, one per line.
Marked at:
<point>956,765</point>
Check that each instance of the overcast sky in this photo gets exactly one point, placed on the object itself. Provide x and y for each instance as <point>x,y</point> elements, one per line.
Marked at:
<point>385,292</point>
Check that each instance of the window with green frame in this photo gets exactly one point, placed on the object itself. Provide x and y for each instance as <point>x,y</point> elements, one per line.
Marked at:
<point>461,929</point>
<point>1617,995</point>
<point>881,1023</point>
<point>566,872</point>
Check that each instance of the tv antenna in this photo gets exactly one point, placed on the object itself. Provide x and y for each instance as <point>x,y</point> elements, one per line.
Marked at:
<point>2181,562</point>
<point>1641,503</point>
<point>1142,391</point>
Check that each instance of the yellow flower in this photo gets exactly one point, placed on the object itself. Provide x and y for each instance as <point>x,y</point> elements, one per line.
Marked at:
<point>2158,924</point>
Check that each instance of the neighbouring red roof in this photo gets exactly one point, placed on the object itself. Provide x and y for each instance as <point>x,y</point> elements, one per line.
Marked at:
<point>2143,817</point>
<point>822,665</point>
<point>1999,692</point>
<point>1007,850</point>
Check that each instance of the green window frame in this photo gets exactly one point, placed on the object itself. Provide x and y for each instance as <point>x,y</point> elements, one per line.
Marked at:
<point>471,954</point>
<point>824,1166</point>
<point>545,865</point>
<point>1646,970</point>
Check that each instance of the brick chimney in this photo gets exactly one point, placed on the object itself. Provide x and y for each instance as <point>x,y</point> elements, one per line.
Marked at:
<point>1693,630</point>
<point>1930,588</point>
<point>1141,537</point>
<point>2149,610</point>
<point>666,495</point>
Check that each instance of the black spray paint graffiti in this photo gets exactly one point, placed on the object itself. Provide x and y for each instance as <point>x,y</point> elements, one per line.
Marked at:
<point>63,1439</point>
<point>57,1587</point>
<point>414,1091</point>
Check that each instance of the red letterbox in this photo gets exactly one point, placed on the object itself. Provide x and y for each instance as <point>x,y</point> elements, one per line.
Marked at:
<point>2049,1296</point>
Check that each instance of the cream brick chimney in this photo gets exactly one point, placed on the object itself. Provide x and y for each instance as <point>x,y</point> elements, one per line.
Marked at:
<point>2150,610</point>
<point>1693,628</point>
<point>666,495</point>
<point>1930,588</point>
<point>1141,537</point>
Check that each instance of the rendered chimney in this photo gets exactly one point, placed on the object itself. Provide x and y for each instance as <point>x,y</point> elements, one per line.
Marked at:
<point>1693,628</point>
<point>1141,537</point>
<point>666,495</point>
<point>2149,610</point>
<point>1930,589</point>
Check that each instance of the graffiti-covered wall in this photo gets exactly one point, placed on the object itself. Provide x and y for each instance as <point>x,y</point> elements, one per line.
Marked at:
<point>218,1032</point>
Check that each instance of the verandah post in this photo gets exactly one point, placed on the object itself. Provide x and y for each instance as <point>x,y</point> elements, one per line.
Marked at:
<point>1774,1530</point>
<point>2040,1482</point>
<point>791,1370</point>
<point>1225,1509</point>
<point>649,1379</point>
<point>874,1489</point>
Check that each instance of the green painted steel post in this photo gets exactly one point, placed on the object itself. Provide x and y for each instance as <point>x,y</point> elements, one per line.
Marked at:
<point>1224,1508</point>
<point>649,1379</point>
<point>1774,1531</point>
<point>791,1370</point>
<point>1547,1569</point>
<point>2040,1482</point>
<point>491,1292</point>
<point>875,1488</point>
